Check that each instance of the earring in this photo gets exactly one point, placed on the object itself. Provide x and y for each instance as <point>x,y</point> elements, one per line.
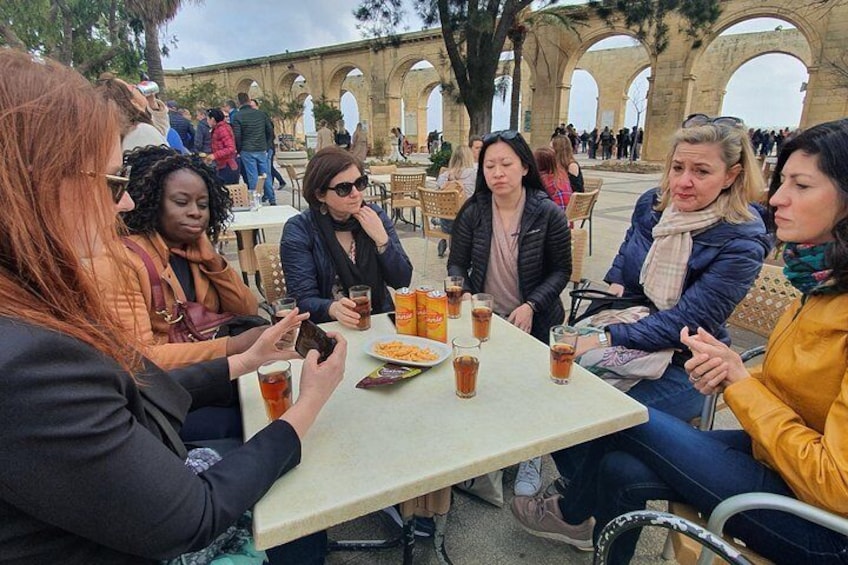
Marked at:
<point>323,208</point>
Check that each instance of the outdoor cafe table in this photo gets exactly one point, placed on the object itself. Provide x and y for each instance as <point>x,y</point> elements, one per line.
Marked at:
<point>247,224</point>
<point>373,448</point>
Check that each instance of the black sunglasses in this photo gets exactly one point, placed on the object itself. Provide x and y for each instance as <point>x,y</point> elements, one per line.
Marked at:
<point>117,183</point>
<point>345,188</point>
<point>507,134</point>
<point>695,120</point>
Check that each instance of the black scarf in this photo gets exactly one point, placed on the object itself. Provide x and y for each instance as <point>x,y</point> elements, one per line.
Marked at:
<point>366,270</point>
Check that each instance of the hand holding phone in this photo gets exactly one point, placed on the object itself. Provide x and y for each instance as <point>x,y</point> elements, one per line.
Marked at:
<point>313,337</point>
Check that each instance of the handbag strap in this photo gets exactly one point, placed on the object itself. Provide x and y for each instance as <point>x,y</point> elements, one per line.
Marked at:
<point>177,445</point>
<point>155,279</point>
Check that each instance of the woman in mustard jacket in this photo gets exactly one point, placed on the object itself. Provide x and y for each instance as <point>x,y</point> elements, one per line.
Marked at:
<point>180,209</point>
<point>793,409</point>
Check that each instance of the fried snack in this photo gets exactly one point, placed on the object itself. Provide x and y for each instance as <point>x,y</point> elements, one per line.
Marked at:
<point>404,351</point>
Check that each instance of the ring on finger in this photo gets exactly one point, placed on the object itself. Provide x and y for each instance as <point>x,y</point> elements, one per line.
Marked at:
<point>694,379</point>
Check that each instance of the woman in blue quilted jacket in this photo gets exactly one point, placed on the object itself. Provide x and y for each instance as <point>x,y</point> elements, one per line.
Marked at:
<point>694,247</point>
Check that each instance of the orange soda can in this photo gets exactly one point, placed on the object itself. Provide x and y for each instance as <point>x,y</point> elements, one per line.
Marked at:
<point>406,311</point>
<point>437,316</point>
<point>421,310</point>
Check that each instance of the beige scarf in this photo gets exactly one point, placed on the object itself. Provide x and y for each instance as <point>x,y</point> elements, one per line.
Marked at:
<point>664,269</point>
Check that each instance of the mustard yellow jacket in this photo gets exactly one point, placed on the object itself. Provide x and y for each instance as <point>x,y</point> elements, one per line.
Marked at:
<point>219,291</point>
<point>795,406</point>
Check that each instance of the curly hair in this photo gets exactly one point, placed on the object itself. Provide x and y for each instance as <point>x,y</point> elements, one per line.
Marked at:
<point>151,167</point>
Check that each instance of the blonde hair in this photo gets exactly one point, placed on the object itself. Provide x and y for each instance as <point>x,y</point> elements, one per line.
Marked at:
<point>735,149</point>
<point>461,158</point>
<point>51,208</point>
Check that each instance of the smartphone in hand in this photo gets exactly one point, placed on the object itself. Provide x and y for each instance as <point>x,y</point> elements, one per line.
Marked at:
<point>313,337</point>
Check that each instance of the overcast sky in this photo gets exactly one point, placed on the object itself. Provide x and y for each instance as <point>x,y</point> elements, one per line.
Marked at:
<point>764,92</point>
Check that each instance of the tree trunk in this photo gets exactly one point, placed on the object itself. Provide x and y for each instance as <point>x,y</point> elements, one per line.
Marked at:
<point>518,53</point>
<point>153,56</point>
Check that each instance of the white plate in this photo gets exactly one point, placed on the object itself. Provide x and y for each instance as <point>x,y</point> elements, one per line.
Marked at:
<point>443,350</point>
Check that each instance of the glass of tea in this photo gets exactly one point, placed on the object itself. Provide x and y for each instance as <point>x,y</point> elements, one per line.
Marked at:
<point>563,346</point>
<point>275,383</point>
<point>282,308</point>
<point>466,362</point>
<point>481,315</point>
<point>453,288</point>
<point>361,296</point>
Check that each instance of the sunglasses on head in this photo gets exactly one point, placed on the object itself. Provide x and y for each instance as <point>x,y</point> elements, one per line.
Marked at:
<point>345,188</point>
<point>695,120</point>
<point>117,183</point>
<point>507,134</point>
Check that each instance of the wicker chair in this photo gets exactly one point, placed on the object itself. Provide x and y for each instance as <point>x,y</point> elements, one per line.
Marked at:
<point>438,204</point>
<point>382,169</point>
<point>404,194</point>
<point>295,186</point>
<point>271,271</point>
<point>579,238</point>
<point>240,195</point>
<point>579,209</point>
<point>592,183</point>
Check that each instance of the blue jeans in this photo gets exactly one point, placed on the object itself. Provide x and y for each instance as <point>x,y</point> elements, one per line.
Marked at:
<point>672,394</point>
<point>255,164</point>
<point>667,459</point>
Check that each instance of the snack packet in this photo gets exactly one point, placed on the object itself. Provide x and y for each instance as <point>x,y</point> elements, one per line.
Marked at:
<point>389,373</point>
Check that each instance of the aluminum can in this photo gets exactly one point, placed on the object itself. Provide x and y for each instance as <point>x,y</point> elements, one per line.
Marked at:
<point>148,87</point>
<point>437,316</point>
<point>406,311</point>
<point>421,308</point>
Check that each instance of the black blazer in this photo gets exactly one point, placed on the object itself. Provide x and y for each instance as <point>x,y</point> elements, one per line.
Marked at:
<point>544,253</point>
<point>84,474</point>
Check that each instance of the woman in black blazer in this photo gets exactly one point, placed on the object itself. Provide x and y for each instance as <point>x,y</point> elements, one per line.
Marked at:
<point>90,473</point>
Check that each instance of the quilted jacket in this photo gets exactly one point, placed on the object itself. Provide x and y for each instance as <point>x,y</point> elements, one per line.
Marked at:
<point>544,254</point>
<point>725,260</point>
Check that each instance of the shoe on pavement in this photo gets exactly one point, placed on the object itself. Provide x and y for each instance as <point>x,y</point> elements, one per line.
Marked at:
<point>423,527</point>
<point>528,481</point>
<point>559,486</point>
<point>443,246</point>
<point>542,518</point>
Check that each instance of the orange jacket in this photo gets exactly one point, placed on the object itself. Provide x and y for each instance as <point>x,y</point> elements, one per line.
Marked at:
<point>221,291</point>
<point>795,407</point>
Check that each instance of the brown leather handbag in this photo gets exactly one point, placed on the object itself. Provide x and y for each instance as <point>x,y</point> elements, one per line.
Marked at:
<point>187,321</point>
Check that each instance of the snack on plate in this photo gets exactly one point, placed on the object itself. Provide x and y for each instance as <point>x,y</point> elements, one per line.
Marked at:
<point>404,351</point>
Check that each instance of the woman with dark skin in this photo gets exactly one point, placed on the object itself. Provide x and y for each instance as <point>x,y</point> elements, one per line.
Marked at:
<point>180,210</point>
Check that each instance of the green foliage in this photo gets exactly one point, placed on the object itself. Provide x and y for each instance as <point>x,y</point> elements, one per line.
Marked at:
<point>439,159</point>
<point>648,17</point>
<point>378,149</point>
<point>323,111</point>
<point>206,94</point>
<point>91,35</point>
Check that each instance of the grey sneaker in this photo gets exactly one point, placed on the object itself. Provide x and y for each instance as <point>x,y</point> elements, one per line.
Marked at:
<point>541,517</point>
<point>528,481</point>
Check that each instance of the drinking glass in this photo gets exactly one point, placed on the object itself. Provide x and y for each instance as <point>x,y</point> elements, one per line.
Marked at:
<point>361,295</point>
<point>275,383</point>
<point>453,288</point>
<point>466,362</point>
<point>282,307</point>
<point>481,315</point>
<point>563,341</point>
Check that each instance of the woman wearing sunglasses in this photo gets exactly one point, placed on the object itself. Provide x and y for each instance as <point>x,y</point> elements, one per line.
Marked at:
<point>694,247</point>
<point>340,242</point>
<point>91,471</point>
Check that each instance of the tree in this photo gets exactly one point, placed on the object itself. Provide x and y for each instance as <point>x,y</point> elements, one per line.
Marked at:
<point>89,35</point>
<point>323,111</point>
<point>528,22</point>
<point>648,17</point>
<point>154,13</point>
<point>206,94</point>
<point>474,33</point>
<point>292,111</point>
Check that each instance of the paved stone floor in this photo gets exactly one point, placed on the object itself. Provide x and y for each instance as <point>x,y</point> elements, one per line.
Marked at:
<point>479,533</point>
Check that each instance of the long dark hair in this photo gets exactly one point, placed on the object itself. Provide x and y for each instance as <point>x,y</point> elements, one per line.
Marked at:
<point>828,142</point>
<point>532,180</point>
<point>151,166</point>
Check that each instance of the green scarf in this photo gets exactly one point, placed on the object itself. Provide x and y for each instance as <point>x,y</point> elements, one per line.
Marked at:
<point>806,267</point>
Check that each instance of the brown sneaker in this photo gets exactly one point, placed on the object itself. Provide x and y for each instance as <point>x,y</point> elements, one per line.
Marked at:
<point>541,517</point>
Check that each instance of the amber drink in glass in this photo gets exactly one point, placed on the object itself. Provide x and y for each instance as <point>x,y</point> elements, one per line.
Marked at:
<point>361,295</point>
<point>481,315</point>
<point>275,383</point>
<point>563,340</point>
<point>466,362</point>
<point>453,288</point>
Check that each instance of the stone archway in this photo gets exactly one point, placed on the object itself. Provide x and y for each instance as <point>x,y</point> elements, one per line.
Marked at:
<point>399,88</point>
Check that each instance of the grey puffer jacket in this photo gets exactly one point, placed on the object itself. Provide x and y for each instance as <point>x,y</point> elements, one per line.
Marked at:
<point>544,254</point>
